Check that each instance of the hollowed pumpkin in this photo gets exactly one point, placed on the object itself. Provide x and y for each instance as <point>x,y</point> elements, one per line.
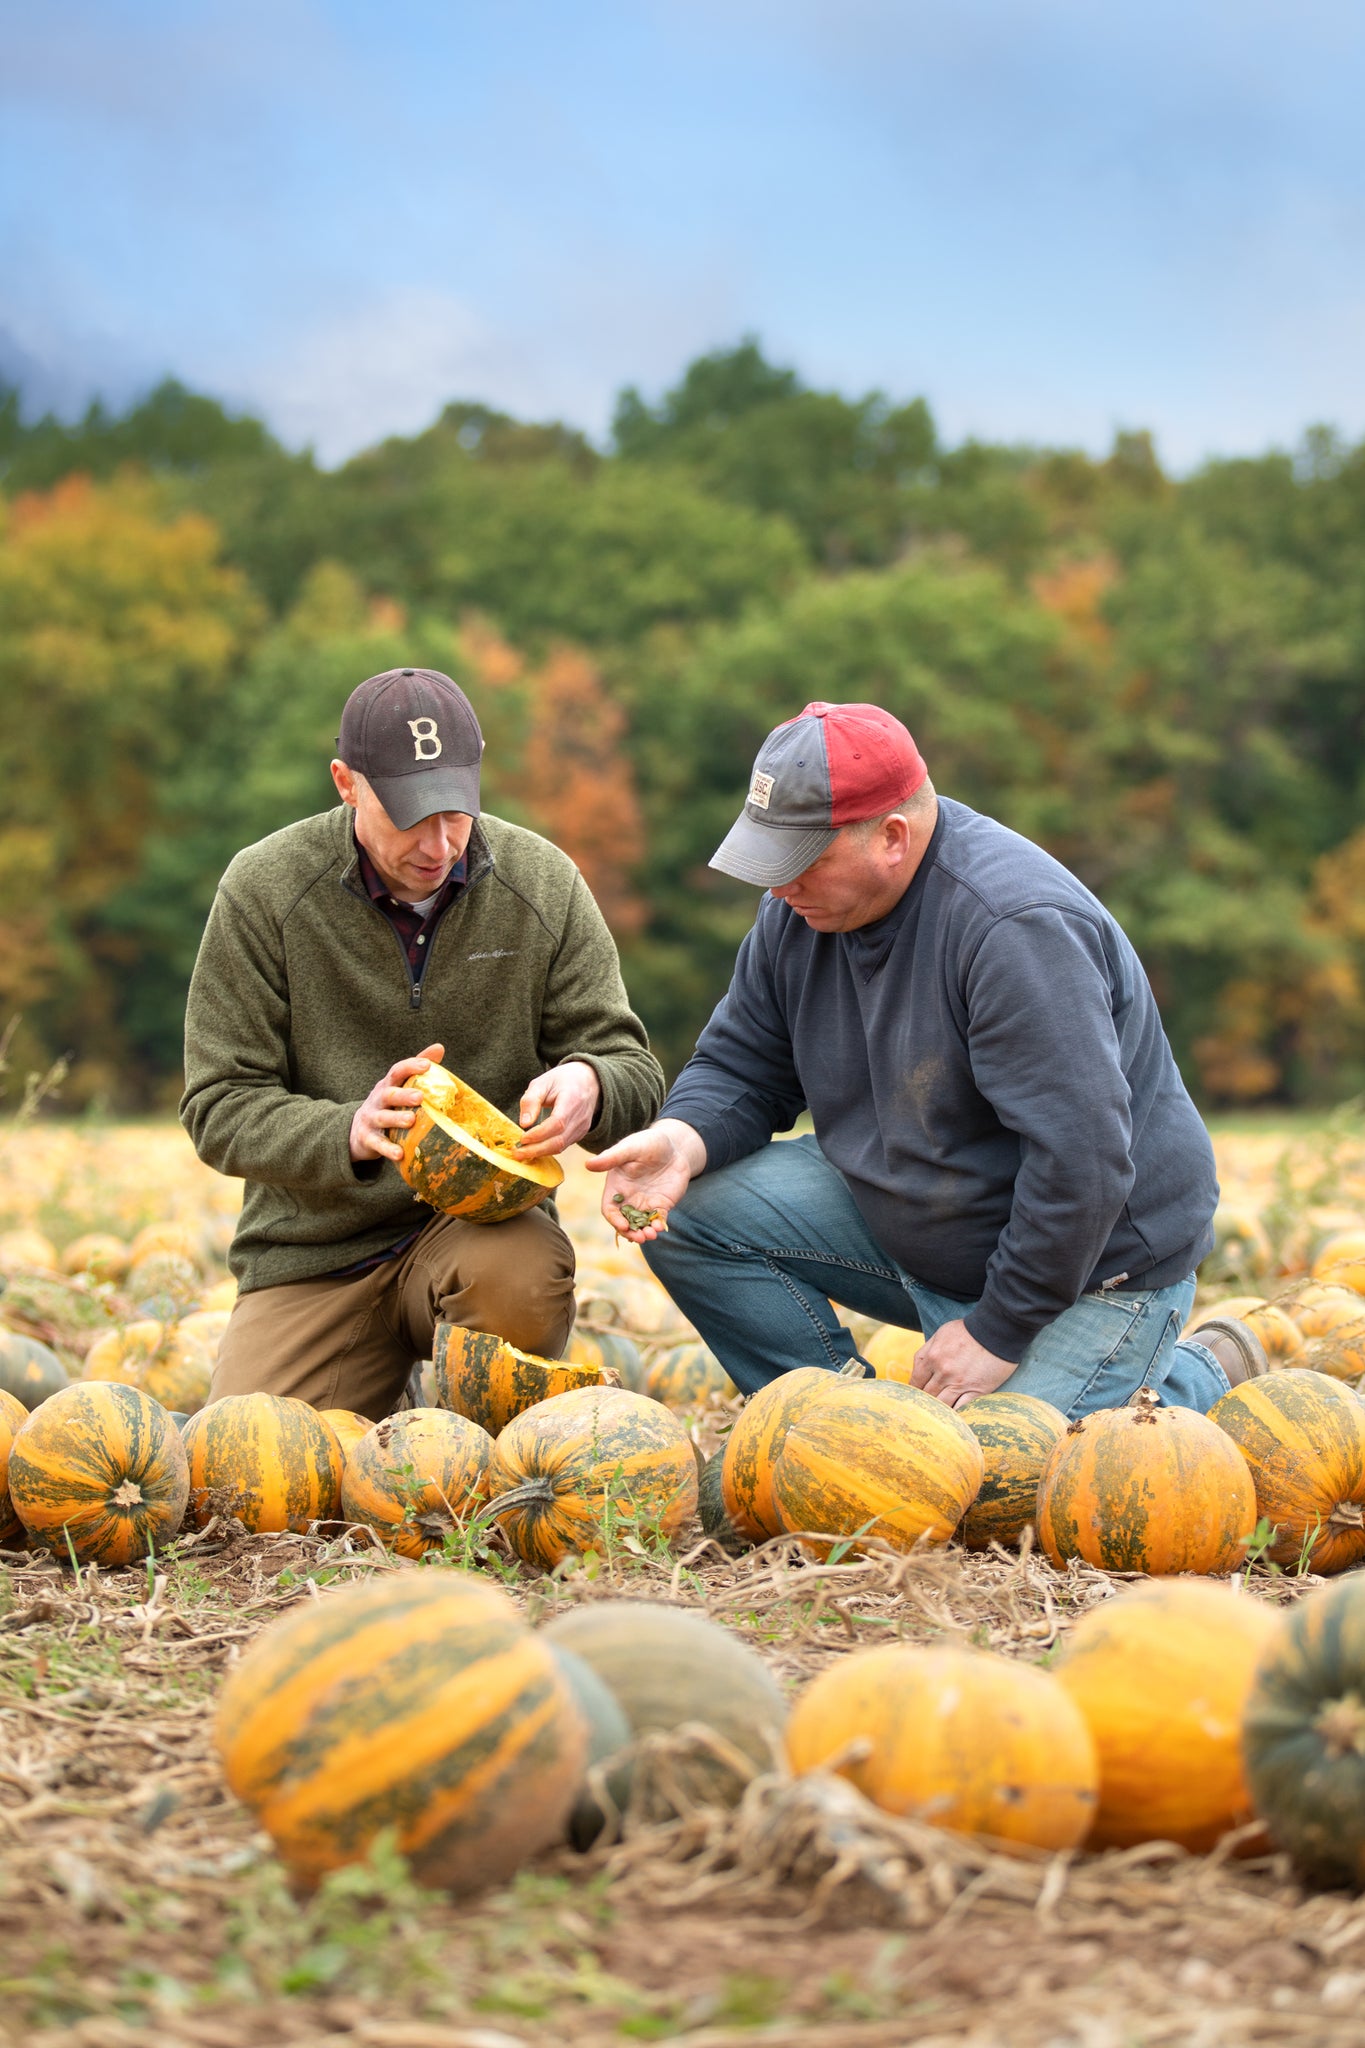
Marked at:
<point>1162,1675</point>
<point>584,1469</point>
<point>1303,1735</point>
<point>482,1376</point>
<point>420,1702</point>
<point>1147,1489</point>
<point>1303,1437</point>
<point>980,1744</point>
<point>270,1461</point>
<point>13,1416</point>
<point>459,1154</point>
<point>98,1473</point>
<point>413,1477</point>
<point>875,1461</point>
<point>1016,1433</point>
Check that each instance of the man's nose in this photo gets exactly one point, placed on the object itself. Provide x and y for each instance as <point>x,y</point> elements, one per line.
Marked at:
<point>435,839</point>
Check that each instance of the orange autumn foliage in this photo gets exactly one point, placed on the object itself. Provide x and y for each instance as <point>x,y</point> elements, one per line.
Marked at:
<point>577,783</point>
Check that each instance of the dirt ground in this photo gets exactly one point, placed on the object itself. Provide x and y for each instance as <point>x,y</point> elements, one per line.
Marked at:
<point>139,1908</point>
<point>138,1904</point>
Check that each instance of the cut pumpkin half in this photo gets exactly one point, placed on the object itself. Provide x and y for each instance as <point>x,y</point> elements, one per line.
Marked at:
<point>459,1154</point>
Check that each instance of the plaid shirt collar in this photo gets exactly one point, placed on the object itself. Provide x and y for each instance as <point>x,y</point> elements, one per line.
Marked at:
<point>409,923</point>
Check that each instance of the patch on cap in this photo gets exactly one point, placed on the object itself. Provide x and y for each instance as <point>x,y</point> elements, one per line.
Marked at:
<point>760,790</point>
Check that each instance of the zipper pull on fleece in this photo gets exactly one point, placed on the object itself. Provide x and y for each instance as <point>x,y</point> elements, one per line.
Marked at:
<point>415,999</point>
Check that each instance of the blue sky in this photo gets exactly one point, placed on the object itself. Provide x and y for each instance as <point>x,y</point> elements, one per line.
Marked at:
<point>1051,217</point>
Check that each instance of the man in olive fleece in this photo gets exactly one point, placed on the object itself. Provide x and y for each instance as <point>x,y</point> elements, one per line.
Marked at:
<point>333,948</point>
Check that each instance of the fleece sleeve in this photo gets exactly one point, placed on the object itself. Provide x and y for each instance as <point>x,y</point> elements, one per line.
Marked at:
<point>238,1106</point>
<point>1045,1054</point>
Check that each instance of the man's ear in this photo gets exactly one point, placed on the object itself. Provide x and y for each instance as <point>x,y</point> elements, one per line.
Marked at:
<point>345,782</point>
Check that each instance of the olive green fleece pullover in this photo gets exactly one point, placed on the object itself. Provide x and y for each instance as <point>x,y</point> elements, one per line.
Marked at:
<point>302,998</point>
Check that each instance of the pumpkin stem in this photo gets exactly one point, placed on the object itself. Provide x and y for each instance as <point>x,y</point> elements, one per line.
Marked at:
<point>1347,1514</point>
<point>1146,1403</point>
<point>127,1495</point>
<point>533,1493</point>
<point>1341,1725</point>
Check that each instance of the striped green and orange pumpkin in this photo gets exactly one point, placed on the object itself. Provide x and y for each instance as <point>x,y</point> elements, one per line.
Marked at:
<point>876,1461</point>
<point>1303,1436</point>
<point>421,1703</point>
<point>489,1380</point>
<point>269,1460</point>
<point>1016,1433</point>
<point>753,1445</point>
<point>711,1509</point>
<point>347,1427</point>
<point>29,1370</point>
<point>98,1474</point>
<point>611,1349</point>
<point>459,1154</point>
<point>157,1357</point>
<point>13,1416</point>
<point>569,1474</point>
<point>685,1376</point>
<point>414,1476</point>
<point>1303,1734</point>
<point>1146,1489</point>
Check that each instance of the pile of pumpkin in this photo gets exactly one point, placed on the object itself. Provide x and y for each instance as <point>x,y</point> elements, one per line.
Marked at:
<point>1317,1322</point>
<point>831,1459</point>
<point>425,1703</point>
<point>562,1459</point>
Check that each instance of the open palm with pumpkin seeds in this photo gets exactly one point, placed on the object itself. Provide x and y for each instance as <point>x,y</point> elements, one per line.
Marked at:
<point>648,1174</point>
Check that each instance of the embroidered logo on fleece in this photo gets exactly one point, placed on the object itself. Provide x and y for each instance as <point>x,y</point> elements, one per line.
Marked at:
<point>760,789</point>
<point>498,953</point>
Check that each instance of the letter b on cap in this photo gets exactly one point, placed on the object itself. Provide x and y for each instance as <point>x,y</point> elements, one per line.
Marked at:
<point>426,741</point>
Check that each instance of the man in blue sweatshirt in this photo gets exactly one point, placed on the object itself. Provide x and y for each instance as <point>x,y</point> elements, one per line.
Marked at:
<point>1004,1154</point>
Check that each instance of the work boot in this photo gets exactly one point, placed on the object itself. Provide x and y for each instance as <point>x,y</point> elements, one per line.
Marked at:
<point>1237,1348</point>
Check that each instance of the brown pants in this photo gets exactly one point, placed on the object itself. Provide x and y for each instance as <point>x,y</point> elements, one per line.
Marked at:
<point>352,1343</point>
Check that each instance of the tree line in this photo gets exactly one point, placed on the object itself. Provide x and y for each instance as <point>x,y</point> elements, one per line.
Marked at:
<point>1161,680</point>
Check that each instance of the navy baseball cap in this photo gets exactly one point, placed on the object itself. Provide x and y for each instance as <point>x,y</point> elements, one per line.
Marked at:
<point>413,735</point>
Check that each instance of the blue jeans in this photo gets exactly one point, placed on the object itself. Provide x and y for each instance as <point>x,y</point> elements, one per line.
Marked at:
<point>755,1250</point>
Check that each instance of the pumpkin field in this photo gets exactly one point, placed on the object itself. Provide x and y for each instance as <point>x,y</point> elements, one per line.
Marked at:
<point>584,1703</point>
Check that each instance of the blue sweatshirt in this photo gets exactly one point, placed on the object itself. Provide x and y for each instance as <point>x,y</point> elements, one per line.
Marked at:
<point>986,1068</point>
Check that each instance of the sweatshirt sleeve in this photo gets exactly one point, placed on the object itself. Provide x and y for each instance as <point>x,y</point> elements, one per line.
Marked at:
<point>740,1084</point>
<point>586,1015</point>
<point>1045,1054</point>
<point>238,1107</point>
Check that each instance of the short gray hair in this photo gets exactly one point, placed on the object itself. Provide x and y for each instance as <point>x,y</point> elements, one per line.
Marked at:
<point>917,805</point>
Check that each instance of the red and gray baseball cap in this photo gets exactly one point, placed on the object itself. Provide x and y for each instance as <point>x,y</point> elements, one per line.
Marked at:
<point>412,734</point>
<point>832,765</point>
